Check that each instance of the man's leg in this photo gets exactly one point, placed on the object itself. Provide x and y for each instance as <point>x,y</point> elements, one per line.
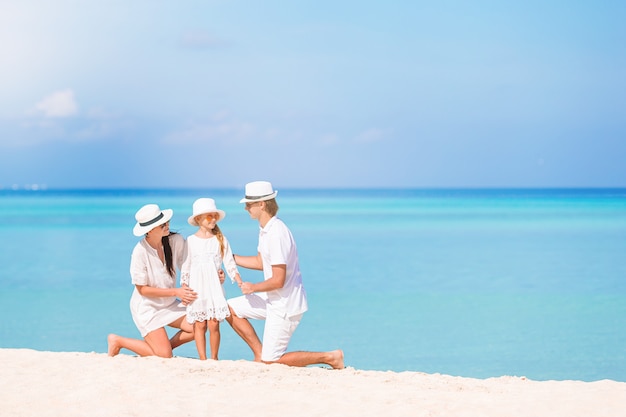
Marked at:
<point>245,330</point>
<point>333,358</point>
<point>276,337</point>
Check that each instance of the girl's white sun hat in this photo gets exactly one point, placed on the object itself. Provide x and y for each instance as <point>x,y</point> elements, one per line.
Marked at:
<point>203,206</point>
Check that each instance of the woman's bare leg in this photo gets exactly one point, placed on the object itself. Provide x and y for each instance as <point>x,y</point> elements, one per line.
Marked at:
<point>185,334</point>
<point>117,343</point>
<point>214,337</point>
<point>159,343</point>
<point>155,343</point>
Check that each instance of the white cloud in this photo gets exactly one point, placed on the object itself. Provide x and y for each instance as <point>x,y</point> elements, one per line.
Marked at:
<point>49,121</point>
<point>372,135</point>
<point>58,104</point>
<point>222,127</point>
<point>199,133</point>
<point>234,133</point>
<point>199,40</point>
<point>220,116</point>
<point>329,139</point>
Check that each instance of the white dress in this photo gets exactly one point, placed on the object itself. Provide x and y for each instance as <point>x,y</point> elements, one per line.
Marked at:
<point>146,268</point>
<point>199,271</point>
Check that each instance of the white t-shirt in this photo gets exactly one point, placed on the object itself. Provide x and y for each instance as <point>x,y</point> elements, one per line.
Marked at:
<point>277,246</point>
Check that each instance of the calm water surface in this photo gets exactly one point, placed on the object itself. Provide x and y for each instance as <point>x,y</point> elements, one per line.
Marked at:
<point>476,283</point>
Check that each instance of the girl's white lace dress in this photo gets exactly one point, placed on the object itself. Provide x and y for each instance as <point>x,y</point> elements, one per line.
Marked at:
<point>199,271</point>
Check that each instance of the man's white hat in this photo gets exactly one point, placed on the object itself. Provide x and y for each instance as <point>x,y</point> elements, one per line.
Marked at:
<point>258,191</point>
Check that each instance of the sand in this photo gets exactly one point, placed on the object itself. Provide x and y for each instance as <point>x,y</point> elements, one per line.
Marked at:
<point>34,383</point>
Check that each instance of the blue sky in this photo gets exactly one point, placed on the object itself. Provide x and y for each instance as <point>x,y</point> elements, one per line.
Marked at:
<point>312,93</point>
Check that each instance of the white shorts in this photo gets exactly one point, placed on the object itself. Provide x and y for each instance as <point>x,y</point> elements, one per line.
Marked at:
<point>278,329</point>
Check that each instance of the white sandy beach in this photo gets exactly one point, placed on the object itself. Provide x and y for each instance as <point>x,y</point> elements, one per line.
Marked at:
<point>34,383</point>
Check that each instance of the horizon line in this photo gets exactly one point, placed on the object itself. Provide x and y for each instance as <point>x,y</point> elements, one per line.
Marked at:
<point>39,187</point>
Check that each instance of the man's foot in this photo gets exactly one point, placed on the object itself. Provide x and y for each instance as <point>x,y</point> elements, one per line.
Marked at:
<point>336,359</point>
<point>114,346</point>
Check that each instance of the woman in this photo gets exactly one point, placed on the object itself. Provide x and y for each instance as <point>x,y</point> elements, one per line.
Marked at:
<point>154,303</point>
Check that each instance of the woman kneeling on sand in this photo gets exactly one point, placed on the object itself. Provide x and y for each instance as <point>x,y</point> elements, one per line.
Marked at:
<point>154,303</point>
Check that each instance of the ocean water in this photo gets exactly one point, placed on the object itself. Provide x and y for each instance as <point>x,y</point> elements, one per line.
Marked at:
<point>475,283</point>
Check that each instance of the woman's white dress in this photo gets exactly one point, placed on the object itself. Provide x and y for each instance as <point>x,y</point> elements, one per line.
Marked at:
<point>200,272</point>
<point>146,268</point>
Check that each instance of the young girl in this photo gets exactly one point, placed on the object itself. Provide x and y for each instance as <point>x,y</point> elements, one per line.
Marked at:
<point>207,250</point>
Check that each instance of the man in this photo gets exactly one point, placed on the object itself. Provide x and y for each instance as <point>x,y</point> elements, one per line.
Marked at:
<point>280,299</point>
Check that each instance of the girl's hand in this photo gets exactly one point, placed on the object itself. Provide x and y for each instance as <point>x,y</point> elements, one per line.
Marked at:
<point>238,280</point>
<point>222,276</point>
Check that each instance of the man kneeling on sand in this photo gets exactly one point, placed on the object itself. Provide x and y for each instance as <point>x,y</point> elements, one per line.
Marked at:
<point>280,299</point>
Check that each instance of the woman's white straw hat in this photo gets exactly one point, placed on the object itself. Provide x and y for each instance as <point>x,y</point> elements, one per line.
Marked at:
<point>203,206</point>
<point>258,191</point>
<point>150,216</point>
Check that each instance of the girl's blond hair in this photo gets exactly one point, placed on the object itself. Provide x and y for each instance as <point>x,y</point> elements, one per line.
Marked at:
<point>220,238</point>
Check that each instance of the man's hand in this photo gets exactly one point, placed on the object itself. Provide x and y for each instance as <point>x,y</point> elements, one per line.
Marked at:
<point>246,288</point>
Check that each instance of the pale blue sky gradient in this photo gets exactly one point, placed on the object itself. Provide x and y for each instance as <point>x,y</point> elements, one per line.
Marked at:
<point>312,93</point>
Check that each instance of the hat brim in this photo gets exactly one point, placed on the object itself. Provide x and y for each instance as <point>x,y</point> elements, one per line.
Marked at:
<point>264,198</point>
<point>140,230</point>
<point>192,219</point>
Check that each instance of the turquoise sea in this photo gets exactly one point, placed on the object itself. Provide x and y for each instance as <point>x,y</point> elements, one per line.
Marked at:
<point>475,283</point>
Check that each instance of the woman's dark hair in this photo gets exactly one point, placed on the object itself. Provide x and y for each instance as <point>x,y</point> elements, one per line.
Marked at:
<point>167,250</point>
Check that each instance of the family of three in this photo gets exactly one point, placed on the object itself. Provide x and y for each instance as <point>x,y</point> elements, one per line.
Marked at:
<point>199,303</point>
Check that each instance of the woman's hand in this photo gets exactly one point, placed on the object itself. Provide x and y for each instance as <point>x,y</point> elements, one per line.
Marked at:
<point>220,273</point>
<point>186,294</point>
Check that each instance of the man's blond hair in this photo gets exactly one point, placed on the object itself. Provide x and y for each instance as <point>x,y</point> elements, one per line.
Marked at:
<point>271,207</point>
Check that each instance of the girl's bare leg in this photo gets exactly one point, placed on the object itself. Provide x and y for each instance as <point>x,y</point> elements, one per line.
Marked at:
<point>214,337</point>
<point>199,335</point>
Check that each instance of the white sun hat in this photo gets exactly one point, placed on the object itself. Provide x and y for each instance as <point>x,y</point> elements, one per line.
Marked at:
<point>258,191</point>
<point>202,206</point>
<point>150,216</point>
